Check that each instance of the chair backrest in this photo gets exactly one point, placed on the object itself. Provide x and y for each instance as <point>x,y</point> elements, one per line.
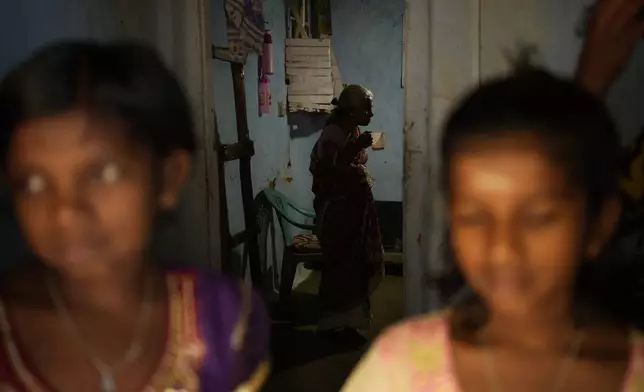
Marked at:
<point>264,221</point>
<point>267,201</point>
<point>265,238</point>
<point>280,204</point>
<point>288,214</point>
<point>278,200</point>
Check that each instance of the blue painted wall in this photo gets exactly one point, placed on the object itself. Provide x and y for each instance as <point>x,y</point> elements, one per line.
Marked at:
<point>367,40</point>
<point>269,132</point>
<point>368,45</point>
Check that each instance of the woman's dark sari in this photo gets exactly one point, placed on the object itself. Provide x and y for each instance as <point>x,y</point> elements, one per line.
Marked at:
<point>348,231</point>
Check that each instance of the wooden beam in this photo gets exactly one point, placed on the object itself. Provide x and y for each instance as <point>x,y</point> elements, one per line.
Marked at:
<point>245,176</point>
<point>300,29</point>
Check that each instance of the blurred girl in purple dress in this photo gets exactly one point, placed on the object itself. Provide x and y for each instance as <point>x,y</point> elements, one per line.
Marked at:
<point>97,143</point>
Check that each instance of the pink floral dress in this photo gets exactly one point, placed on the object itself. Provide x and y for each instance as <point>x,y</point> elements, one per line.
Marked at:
<point>414,356</point>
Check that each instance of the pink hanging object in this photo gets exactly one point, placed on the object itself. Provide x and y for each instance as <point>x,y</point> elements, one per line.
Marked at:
<point>264,95</point>
<point>267,53</point>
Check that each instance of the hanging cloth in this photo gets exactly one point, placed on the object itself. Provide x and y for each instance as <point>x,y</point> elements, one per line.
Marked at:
<point>245,29</point>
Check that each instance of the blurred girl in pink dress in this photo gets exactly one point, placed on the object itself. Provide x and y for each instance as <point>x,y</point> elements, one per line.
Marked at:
<point>530,167</point>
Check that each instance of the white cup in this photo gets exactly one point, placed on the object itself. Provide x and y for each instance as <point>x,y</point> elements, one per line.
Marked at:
<point>378,141</point>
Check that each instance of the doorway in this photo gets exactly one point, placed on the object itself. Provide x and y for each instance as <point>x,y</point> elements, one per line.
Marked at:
<point>362,42</point>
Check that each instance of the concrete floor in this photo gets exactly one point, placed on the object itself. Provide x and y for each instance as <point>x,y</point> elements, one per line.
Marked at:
<point>305,362</point>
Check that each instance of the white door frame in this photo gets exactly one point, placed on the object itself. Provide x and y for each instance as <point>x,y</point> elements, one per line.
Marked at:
<point>441,62</point>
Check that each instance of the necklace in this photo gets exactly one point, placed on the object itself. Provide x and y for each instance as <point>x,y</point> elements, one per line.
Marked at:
<point>561,375</point>
<point>106,371</point>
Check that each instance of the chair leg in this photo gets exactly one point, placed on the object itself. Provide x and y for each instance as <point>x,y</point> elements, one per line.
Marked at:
<point>289,267</point>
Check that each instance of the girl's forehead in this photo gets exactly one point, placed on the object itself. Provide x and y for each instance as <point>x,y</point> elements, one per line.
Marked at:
<point>524,166</point>
<point>501,141</point>
<point>507,169</point>
<point>521,145</point>
<point>65,132</point>
<point>70,143</point>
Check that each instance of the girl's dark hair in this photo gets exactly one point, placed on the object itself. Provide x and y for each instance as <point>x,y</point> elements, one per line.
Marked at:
<point>122,81</point>
<point>571,124</point>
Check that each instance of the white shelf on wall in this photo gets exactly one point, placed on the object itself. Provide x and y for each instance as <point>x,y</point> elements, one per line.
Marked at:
<point>310,75</point>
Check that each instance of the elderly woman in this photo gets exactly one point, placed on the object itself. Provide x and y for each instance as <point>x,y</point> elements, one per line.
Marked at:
<point>348,223</point>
